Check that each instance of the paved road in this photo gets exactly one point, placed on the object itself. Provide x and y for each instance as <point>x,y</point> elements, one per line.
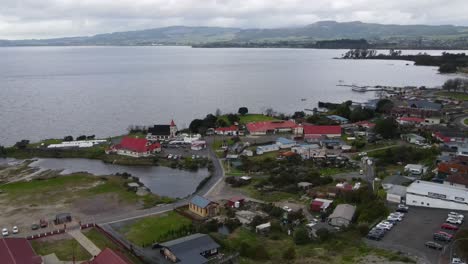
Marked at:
<point>216,178</point>
<point>84,242</point>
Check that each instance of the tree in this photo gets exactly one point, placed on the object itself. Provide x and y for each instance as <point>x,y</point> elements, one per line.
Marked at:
<point>343,110</point>
<point>384,106</point>
<point>269,111</point>
<point>243,110</point>
<point>289,253</point>
<point>233,118</point>
<point>82,137</point>
<point>22,144</point>
<point>359,114</point>
<point>210,121</point>
<point>257,220</point>
<point>448,68</point>
<point>195,125</point>
<point>298,114</point>
<point>221,123</point>
<point>301,236</point>
<point>68,138</point>
<point>387,128</point>
<point>218,112</point>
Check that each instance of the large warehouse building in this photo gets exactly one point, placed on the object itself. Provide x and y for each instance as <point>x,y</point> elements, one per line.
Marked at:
<point>436,195</point>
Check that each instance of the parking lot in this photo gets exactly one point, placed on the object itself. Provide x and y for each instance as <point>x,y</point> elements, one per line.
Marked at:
<point>184,151</point>
<point>417,228</point>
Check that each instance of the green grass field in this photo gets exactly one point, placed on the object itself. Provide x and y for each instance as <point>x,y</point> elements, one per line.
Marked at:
<point>466,121</point>
<point>102,242</point>
<point>64,249</point>
<point>154,228</point>
<point>454,95</point>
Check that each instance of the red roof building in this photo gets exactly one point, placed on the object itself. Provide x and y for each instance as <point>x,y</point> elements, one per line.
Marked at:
<point>410,120</point>
<point>316,206</point>
<point>272,127</point>
<point>312,131</point>
<point>365,124</point>
<point>108,256</point>
<point>135,147</point>
<point>17,251</point>
<point>231,130</point>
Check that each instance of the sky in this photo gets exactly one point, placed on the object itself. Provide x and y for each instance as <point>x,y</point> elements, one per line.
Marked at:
<point>25,19</point>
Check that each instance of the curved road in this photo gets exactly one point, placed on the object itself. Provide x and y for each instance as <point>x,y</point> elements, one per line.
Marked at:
<point>216,178</point>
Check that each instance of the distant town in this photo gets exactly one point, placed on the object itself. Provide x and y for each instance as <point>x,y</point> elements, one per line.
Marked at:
<point>384,181</point>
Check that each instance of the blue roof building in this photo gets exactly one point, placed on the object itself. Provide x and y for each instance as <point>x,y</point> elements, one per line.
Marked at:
<point>338,119</point>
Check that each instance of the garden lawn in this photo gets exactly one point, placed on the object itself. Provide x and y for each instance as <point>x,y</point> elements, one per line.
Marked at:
<point>154,228</point>
<point>63,248</point>
<point>454,95</point>
<point>102,242</point>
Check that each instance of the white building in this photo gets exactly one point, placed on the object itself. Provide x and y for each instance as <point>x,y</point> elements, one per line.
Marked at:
<point>396,193</point>
<point>267,148</point>
<point>436,195</point>
<point>78,143</point>
<point>415,169</point>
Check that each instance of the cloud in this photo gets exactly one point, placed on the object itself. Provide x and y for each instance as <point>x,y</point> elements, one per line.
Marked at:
<point>21,19</point>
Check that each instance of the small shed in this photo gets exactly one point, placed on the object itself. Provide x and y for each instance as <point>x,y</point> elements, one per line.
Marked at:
<point>263,228</point>
<point>342,215</point>
<point>316,206</point>
<point>236,202</point>
<point>63,218</point>
<point>396,193</point>
<point>304,185</point>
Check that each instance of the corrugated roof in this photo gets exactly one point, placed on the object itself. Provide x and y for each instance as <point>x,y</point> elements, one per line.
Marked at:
<point>17,251</point>
<point>187,249</point>
<point>269,125</point>
<point>345,211</point>
<point>199,201</point>
<point>285,141</point>
<point>137,144</point>
<point>321,130</point>
<point>108,256</point>
<point>425,187</point>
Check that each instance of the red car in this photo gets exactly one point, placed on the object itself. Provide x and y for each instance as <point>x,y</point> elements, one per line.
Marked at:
<point>449,226</point>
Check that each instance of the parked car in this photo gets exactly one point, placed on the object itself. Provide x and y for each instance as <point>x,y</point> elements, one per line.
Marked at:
<point>433,245</point>
<point>394,218</point>
<point>34,227</point>
<point>43,223</point>
<point>402,208</point>
<point>5,232</point>
<point>445,234</point>
<point>452,220</point>
<point>15,230</point>
<point>457,261</point>
<point>449,226</point>
<point>456,215</point>
<point>441,237</point>
<point>400,214</point>
<point>287,209</point>
<point>375,236</point>
<point>385,225</point>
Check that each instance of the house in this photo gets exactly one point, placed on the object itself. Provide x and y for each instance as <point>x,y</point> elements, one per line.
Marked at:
<point>273,127</point>
<point>320,205</point>
<point>108,256</point>
<point>436,195</point>
<point>342,215</point>
<point>396,194</point>
<point>446,136</point>
<point>236,202</point>
<point>364,124</point>
<point>267,148</point>
<point>413,138</point>
<point>424,105</point>
<point>304,185</point>
<point>203,207</point>
<point>432,120</point>
<point>453,167</point>
<point>162,132</point>
<point>462,151</point>
<point>458,180</point>
<point>415,169</point>
<point>193,249</point>
<point>405,120</point>
<point>312,131</point>
<point>18,251</point>
<point>135,147</point>
<point>338,119</point>
<point>284,143</point>
<point>306,151</point>
<point>198,145</point>
<point>263,229</point>
<point>78,143</point>
<point>227,131</point>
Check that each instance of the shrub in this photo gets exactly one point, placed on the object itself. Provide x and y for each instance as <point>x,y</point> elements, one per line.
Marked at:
<point>301,236</point>
<point>289,253</point>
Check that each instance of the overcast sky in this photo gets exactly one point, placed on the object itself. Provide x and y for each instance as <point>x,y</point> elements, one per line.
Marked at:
<point>22,19</point>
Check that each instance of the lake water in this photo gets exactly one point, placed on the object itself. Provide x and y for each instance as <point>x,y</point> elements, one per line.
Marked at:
<point>160,180</point>
<point>57,91</point>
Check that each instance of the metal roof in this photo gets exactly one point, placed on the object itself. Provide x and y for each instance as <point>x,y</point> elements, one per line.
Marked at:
<point>345,211</point>
<point>200,201</point>
<point>425,187</point>
<point>187,249</point>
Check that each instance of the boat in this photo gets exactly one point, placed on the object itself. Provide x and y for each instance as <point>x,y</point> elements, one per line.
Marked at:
<point>303,99</point>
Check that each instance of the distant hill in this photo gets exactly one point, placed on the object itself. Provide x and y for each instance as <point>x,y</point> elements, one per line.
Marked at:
<point>324,30</point>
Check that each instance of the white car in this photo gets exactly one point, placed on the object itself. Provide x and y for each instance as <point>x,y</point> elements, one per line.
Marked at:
<point>169,156</point>
<point>399,214</point>
<point>457,261</point>
<point>287,209</point>
<point>394,218</point>
<point>453,220</point>
<point>385,225</point>
<point>15,230</point>
<point>456,215</point>
<point>5,232</point>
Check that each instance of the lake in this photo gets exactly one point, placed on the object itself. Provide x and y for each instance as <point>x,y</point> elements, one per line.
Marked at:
<point>51,92</point>
<point>160,180</point>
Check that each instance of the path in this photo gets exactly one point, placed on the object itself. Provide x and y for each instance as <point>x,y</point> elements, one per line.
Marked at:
<point>84,242</point>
